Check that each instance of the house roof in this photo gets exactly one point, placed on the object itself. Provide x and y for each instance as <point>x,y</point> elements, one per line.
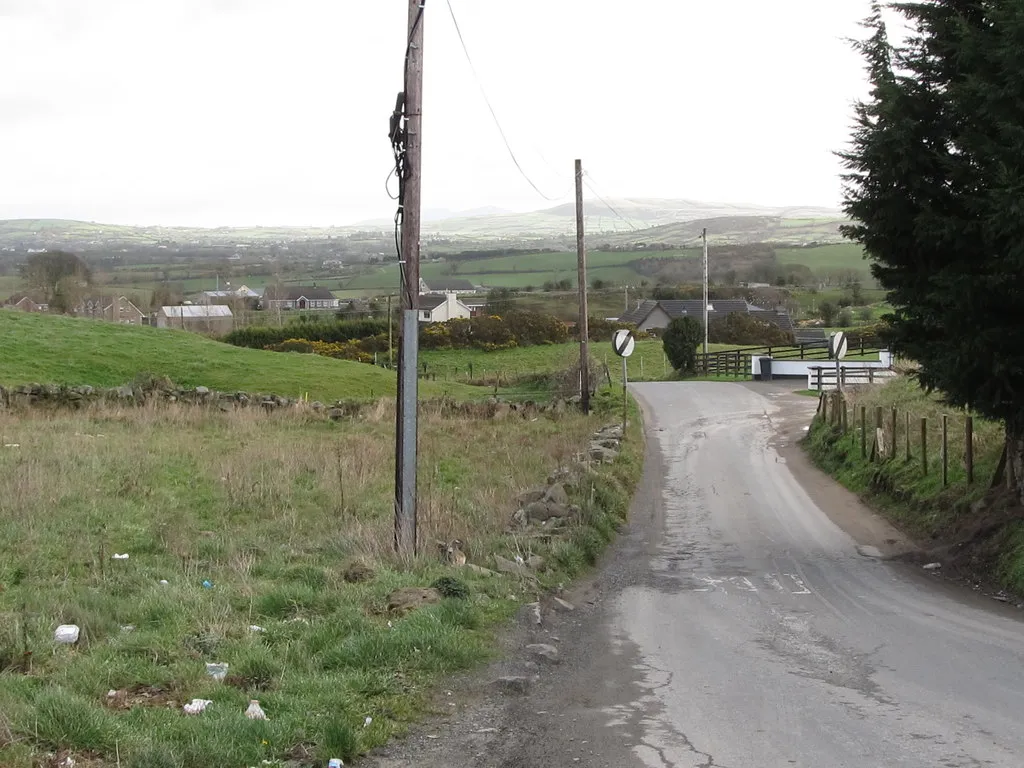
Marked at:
<point>204,311</point>
<point>432,300</point>
<point>296,292</point>
<point>448,284</point>
<point>241,293</point>
<point>717,308</point>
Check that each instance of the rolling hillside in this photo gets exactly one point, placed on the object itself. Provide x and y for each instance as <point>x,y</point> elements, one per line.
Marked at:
<point>62,350</point>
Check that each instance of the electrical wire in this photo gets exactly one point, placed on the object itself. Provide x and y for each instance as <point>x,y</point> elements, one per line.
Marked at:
<point>608,205</point>
<point>487,101</point>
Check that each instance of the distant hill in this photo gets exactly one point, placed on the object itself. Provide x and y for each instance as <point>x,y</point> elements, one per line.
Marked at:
<point>615,221</point>
<point>617,215</point>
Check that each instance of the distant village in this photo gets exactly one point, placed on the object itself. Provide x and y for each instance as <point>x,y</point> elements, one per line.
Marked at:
<point>215,312</point>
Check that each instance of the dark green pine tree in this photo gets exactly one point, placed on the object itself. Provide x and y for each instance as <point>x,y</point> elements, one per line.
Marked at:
<point>935,189</point>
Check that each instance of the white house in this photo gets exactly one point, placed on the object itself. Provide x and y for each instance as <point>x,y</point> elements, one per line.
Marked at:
<point>437,308</point>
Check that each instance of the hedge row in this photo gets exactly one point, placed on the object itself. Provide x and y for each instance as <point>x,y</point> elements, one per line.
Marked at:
<point>335,331</point>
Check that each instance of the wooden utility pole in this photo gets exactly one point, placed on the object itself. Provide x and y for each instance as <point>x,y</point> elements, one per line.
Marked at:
<point>705,237</point>
<point>409,202</point>
<point>626,305</point>
<point>581,259</point>
<point>391,357</point>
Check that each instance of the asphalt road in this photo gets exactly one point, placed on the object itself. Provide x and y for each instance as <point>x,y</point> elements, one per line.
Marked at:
<point>746,621</point>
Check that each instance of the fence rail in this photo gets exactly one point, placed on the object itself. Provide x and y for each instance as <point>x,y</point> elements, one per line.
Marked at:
<point>824,378</point>
<point>738,362</point>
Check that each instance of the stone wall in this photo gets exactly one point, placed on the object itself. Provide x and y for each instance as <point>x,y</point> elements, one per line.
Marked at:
<point>58,397</point>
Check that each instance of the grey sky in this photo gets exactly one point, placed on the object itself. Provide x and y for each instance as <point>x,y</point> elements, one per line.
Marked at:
<point>237,112</point>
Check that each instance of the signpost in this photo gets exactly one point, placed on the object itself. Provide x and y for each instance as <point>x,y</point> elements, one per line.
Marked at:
<point>837,345</point>
<point>623,343</point>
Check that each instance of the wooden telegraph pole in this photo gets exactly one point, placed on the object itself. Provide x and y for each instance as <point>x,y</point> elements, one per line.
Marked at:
<point>705,236</point>
<point>409,208</point>
<point>581,259</point>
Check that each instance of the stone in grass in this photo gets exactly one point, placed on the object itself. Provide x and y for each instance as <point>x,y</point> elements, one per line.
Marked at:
<point>358,572</point>
<point>408,599</point>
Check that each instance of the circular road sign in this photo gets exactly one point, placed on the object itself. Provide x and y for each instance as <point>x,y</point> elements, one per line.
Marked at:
<point>623,343</point>
<point>837,345</point>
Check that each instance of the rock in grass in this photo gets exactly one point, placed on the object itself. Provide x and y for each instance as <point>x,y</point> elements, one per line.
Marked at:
<point>409,598</point>
<point>562,605</point>
<point>541,511</point>
<point>504,565</point>
<point>358,572</point>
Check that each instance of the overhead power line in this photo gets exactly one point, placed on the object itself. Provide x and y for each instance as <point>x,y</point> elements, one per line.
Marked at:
<point>487,101</point>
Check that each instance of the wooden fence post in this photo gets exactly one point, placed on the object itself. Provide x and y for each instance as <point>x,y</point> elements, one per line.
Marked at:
<point>846,417</point>
<point>969,448</point>
<point>945,452</point>
<point>893,432</point>
<point>924,444</point>
<point>863,432</point>
<point>908,436</point>
<point>878,417</point>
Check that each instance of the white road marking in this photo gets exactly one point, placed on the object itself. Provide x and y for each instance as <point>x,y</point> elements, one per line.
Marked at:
<point>800,583</point>
<point>773,582</point>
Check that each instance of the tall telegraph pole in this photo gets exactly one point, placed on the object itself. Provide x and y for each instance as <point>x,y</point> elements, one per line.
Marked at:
<point>409,201</point>
<point>581,259</point>
<point>705,236</point>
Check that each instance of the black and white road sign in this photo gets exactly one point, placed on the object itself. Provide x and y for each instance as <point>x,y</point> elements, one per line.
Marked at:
<point>837,345</point>
<point>623,343</point>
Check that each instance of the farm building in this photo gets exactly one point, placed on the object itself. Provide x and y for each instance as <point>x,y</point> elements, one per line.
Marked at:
<point>214,319</point>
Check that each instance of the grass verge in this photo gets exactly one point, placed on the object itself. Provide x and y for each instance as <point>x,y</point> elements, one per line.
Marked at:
<point>252,519</point>
<point>954,518</point>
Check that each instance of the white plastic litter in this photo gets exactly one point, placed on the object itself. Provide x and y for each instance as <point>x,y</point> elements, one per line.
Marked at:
<point>367,721</point>
<point>217,670</point>
<point>120,557</point>
<point>255,711</point>
<point>164,582</point>
<point>335,762</point>
<point>66,634</point>
<point>933,566</point>
<point>196,706</point>
<point>256,628</point>
<point>12,445</point>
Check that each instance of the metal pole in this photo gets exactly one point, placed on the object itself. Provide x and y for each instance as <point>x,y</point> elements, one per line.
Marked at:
<point>581,263</point>
<point>705,236</point>
<point>625,396</point>
<point>405,414</point>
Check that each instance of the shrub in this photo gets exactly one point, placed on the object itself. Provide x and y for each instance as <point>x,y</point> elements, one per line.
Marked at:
<point>680,340</point>
<point>741,328</point>
<point>334,330</point>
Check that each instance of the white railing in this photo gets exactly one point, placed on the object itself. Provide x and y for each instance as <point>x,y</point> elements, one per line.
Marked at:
<point>823,378</point>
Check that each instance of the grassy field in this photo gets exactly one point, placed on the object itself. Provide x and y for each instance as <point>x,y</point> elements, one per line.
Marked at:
<point>826,258</point>
<point>509,366</point>
<point>915,500</point>
<point>240,520</point>
<point>62,350</point>
<point>523,270</point>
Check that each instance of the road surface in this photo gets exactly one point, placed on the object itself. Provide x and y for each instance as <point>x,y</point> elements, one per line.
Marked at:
<point>739,625</point>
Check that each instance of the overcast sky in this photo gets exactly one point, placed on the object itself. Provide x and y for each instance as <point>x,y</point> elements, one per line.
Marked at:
<point>241,112</point>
